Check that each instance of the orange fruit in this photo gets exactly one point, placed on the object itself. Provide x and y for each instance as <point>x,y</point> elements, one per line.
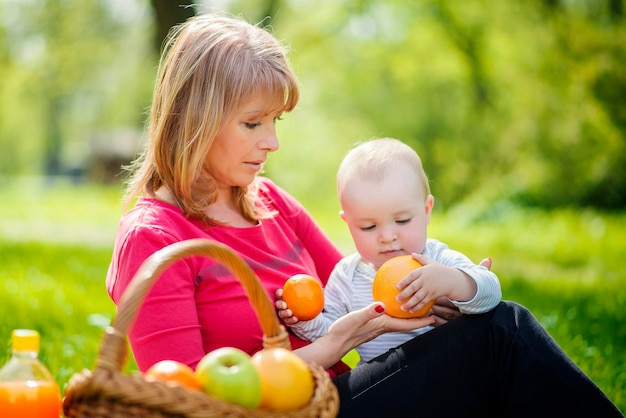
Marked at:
<point>384,286</point>
<point>173,372</point>
<point>286,380</point>
<point>304,296</point>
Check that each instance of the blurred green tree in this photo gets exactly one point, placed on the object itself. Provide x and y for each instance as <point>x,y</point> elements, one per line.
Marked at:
<point>68,66</point>
<point>517,101</point>
<point>512,101</point>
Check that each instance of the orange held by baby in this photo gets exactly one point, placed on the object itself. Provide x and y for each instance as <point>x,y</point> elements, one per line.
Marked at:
<point>384,286</point>
<point>304,295</point>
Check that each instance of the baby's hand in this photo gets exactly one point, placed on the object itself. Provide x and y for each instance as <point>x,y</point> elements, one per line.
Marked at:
<point>423,284</point>
<point>283,311</point>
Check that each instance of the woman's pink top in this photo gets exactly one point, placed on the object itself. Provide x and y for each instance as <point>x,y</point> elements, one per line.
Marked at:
<point>197,305</point>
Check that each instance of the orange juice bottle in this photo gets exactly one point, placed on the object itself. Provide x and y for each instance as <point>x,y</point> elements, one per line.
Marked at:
<point>27,389</point>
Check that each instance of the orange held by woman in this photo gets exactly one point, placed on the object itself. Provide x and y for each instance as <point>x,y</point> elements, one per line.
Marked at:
<point>384,286</point>
<point>304,296</point>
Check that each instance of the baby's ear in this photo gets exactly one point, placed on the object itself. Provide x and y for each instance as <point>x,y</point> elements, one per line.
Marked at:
<point>342,215</point>
<point>429,204</point>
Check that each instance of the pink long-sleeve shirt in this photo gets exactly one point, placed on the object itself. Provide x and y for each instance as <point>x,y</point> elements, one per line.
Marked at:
<point>197,305</point>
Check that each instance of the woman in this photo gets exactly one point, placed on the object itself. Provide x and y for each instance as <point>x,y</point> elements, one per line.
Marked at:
<point>222,85</point>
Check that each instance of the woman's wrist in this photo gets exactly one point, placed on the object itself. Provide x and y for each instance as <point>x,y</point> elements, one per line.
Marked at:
<point>326,351</point>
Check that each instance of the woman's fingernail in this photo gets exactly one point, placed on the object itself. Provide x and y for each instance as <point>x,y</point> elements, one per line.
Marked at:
<point>380,308</point>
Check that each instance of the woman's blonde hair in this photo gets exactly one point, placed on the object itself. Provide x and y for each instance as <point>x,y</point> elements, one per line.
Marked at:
<point>210,66</point>
<point>371,159</point>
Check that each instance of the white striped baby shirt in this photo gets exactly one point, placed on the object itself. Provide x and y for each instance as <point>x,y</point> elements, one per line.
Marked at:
<point>350,288</point>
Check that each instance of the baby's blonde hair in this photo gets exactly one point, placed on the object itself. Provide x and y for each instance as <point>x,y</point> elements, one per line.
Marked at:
<point>210,66</point>
<point>370,160</point>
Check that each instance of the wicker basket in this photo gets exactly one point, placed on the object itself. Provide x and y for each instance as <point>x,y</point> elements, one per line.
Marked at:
<point>106,392</point>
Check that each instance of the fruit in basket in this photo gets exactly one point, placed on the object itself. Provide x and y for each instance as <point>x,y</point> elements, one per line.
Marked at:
<point>384,285</point>
<point>286,380</point>
<point>304,296</point>
<point>173,372</point>
<point>227,373</point>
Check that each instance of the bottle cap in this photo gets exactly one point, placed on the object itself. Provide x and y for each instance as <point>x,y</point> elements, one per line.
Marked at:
<point>25,340</point>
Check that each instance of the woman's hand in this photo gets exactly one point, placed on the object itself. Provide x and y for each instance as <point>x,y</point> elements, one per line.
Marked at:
<point>444,310</point>
<point>354,329</point>
<point>368,323</point>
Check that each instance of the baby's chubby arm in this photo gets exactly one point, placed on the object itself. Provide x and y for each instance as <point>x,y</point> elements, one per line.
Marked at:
<point>432,281</point>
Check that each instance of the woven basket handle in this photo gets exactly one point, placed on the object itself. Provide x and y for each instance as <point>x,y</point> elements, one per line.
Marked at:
<point>113,352</point>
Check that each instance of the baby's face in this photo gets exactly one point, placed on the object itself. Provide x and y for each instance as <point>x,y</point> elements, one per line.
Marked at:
<point>387,217</point>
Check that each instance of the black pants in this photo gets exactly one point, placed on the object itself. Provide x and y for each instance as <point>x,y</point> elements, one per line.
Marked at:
<point>499,364</point>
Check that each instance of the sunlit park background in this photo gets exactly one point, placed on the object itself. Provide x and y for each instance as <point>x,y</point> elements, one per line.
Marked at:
<point>518,110</point>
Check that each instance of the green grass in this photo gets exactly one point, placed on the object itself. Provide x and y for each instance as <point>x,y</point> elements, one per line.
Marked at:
<point>565,266</point>
<point>59,291</point>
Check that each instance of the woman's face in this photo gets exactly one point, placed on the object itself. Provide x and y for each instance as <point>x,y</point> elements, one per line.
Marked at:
<point>243,144</point>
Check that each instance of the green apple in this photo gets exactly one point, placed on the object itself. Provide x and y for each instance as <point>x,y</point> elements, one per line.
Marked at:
<point>227,373</point>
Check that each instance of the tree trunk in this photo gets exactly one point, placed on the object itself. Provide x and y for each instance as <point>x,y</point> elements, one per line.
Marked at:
<point>169,13</point>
